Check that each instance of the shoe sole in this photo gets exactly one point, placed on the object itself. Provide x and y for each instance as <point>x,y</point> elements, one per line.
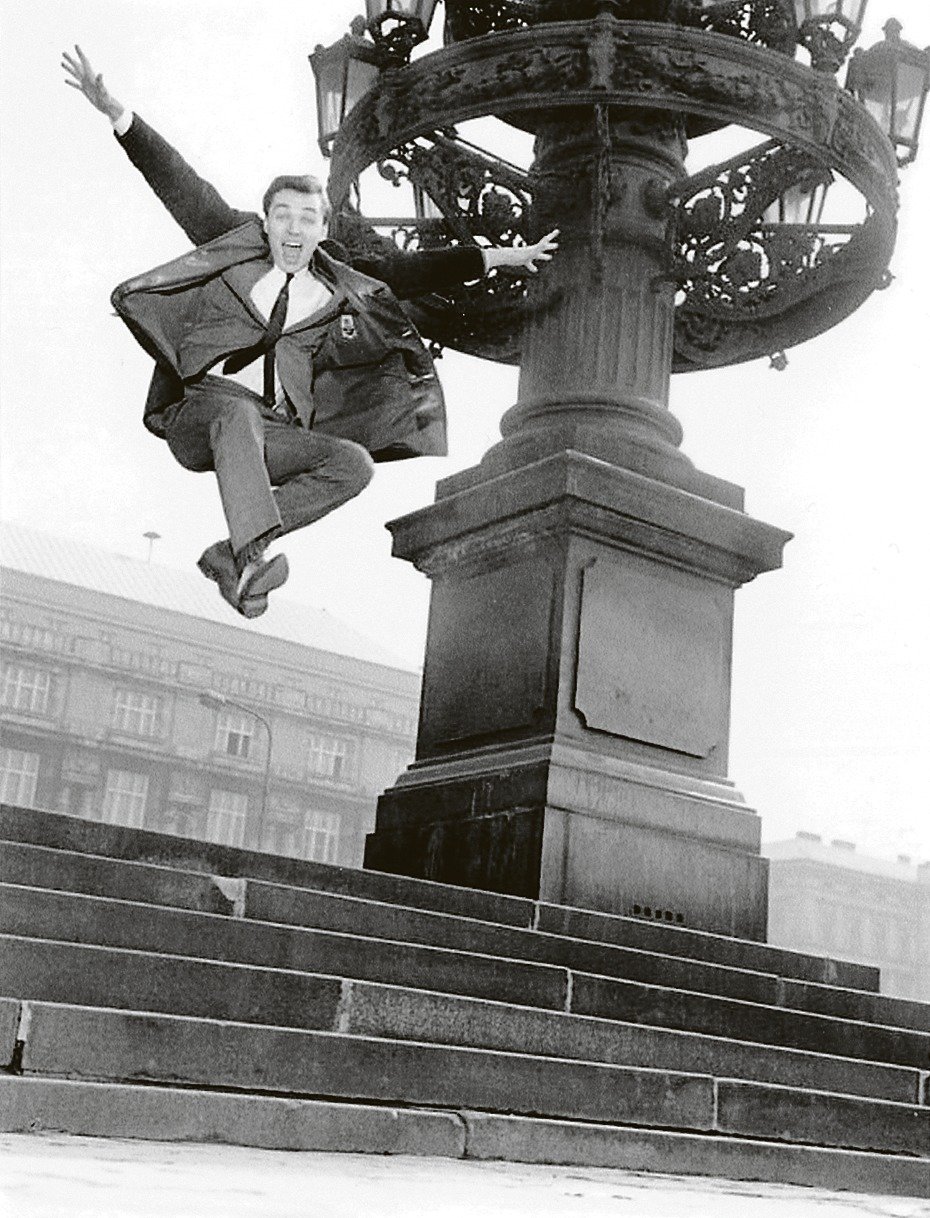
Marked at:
<point>267,579</point>
<point>249,607</point>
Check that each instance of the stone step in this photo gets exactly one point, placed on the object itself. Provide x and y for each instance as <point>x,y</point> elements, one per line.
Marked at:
<point>108,1045</point>
<point>110,845</point>
<point>302,990</point>
<point>370,1009</point>
<point>172,1114</point>
<point>404,943</point>
<point>402,1013</point>
<point>351,915</point>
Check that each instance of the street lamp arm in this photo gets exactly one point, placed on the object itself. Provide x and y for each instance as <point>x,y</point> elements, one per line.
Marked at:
<point>218,701</point>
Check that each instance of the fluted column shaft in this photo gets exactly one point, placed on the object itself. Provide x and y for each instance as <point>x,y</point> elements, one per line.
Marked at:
<point>597,350</point>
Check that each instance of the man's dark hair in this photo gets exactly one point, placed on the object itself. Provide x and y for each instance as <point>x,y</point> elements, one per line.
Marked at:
<point>306,183</point>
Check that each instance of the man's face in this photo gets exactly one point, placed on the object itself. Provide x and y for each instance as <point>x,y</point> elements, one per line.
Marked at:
<point>295,226</point>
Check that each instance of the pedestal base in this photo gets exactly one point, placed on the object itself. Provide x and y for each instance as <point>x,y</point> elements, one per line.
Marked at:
<point>575,712</point>
<point>563,825</point>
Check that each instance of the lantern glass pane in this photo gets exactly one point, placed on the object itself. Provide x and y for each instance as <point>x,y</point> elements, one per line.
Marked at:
<point>912,84</point>
<point>852,10</point>
<point>880,109</point>
<point>423,9</point>
<point>798,205</point>
<point>330,91</point>
<point>875,88</point>
<point>375,8</point>
<point>360,77</point>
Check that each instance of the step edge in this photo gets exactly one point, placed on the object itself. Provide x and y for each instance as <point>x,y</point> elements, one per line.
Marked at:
<point>297,929</point>
<point>169,1018</point>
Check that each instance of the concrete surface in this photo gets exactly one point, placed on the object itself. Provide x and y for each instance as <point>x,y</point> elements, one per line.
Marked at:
<point>54,1176</point>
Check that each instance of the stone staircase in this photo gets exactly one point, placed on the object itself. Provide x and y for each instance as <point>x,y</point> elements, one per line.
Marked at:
<point>156,987</point>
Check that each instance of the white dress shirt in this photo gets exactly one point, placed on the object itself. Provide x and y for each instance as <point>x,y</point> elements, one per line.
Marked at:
<point>307,295</point>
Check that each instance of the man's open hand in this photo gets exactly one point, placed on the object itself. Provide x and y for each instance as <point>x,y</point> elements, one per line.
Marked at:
<point>80,75</point>
<point>525,256</point>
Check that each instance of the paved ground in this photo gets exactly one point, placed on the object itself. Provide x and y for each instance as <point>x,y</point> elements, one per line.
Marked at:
<point>55,1176</point>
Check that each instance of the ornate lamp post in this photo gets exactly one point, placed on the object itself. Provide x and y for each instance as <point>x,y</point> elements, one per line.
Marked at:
<point>575,712</point>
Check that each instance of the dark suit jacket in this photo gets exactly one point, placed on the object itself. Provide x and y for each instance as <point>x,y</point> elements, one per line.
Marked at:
<point>357,369</point>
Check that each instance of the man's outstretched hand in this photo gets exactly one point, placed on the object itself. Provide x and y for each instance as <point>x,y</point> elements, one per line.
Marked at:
<point>80,75</point>
<point>525,256</point>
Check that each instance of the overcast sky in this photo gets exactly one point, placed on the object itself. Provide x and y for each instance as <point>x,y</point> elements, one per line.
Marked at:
<point>831,715</point>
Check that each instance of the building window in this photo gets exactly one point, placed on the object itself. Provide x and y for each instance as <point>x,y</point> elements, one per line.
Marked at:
<point>234,734</point>
<point>320,837</point>
<point>182,820</point>
<point>25,688</point>
<point>124,798</point>
<point>136,713</point>
<point>331,757</point>
<point>226,815</point>
<point>283,830</point>
<point>19,773</point>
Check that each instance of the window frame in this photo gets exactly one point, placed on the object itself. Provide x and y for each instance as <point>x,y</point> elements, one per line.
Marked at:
<point>123,710</point>
<point>216,814</point>
<point>134,818</point>
<point>38,691</point>
<point>8,772</point>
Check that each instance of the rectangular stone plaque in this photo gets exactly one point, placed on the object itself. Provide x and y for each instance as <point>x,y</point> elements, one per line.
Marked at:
<point>653,656</point>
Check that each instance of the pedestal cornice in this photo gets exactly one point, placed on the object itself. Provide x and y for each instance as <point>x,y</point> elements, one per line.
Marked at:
<point>484,523</point>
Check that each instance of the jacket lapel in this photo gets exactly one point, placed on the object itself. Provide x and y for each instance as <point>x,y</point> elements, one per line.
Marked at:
<point>241,279</point>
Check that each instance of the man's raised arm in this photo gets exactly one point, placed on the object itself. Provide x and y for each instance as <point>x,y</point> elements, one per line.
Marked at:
<point>192,202</point>
<point>424,271</point>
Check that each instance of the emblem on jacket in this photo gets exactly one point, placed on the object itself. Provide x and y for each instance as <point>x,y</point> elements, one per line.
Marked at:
<point>347,325</point>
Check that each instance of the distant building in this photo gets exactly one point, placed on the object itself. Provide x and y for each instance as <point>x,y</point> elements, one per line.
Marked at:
<point>104,660</point>
<point>828,899</point>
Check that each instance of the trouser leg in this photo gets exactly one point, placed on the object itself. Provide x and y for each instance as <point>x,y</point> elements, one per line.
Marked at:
<point>224,427</point>
<point>219,426</point>
<point>312,473</point>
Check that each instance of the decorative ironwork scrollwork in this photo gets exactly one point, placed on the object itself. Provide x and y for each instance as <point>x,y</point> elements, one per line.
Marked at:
<point>472,18</point>
<point>480,197</point>
<point>767,23</point>
<point>729,258</point>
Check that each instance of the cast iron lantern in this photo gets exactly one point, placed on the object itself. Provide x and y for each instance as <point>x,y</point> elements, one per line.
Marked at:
<point>891,80</point>
<point>344,72</point>
<point>397,26</point>
<point>829,29</point>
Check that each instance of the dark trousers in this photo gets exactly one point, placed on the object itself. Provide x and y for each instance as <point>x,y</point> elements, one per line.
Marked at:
<point>274,475</point>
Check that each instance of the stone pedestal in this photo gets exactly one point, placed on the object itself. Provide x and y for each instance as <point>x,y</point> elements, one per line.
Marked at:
<point>575,712</point>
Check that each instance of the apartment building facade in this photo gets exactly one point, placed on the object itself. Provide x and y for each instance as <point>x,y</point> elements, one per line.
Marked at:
<point>126,695</point>
<point>827,898</point>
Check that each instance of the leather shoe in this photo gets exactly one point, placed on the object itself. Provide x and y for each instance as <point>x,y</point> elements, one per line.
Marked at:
<point>217,563</point>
